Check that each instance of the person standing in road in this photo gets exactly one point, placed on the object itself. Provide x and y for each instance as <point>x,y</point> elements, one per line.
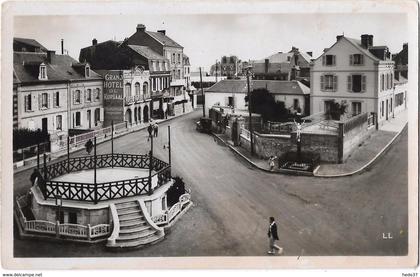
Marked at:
<point>150,130</point>
<point>273,236</point>
<point>155,129</point>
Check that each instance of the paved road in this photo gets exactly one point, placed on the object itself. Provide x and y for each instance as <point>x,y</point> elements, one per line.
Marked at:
<point>316,216</point>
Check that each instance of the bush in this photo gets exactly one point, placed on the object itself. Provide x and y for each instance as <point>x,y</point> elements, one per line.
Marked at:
<point>25,137</point>
<point>175,191</point>
<point>263,102</point>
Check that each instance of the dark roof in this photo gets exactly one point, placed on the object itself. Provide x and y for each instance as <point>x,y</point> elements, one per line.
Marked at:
<point>146,52</point>
<point>62,68</point>
<point>30,42</point>
<point>358,44</point>
<point>273,86</point>
<point>163,39</point>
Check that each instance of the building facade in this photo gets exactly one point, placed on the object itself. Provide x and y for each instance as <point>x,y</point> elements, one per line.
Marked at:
<point>354,73</point>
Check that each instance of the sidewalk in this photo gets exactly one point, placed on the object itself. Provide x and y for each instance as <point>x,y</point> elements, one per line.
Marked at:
<point>361,158</point>
<point>135,128</point>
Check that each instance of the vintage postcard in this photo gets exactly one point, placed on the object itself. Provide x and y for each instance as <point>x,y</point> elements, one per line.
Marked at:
<point>202,135</point>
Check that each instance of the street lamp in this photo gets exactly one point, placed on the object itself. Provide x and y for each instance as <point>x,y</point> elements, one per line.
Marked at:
<point>58,204</point>
<point>168,146</point>
<point>248,75</point>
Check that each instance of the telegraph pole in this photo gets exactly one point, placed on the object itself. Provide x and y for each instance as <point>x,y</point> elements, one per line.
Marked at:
<point>150,164</point>
<point>248,73</point>
<point>202,93</point>
<point>216,71</point>
<point>112,143</point>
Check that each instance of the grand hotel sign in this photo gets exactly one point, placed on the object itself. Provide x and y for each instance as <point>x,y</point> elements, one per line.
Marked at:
<point>114,97</point>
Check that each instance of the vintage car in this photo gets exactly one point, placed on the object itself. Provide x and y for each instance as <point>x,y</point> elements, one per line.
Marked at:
<point>204,125</point>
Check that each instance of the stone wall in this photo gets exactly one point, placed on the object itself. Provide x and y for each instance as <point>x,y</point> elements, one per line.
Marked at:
<point>267,145</point>
<point>355,137</point>
<point>326,145</point>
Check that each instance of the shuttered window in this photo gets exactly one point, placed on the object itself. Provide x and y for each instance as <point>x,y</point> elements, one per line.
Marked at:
<point>356,59</point>
<point>328,60</point>
<point>356,83</point>
<point>329,82</point>
<point>56,99</point>
<point>28,103</point>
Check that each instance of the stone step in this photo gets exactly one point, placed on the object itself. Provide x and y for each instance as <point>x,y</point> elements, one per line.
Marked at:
<point>133,229</point>
<point>129,210</point>
<point>138,242</point>
<point>129,217</point>
<point>125,205</point>
<point>132,224</point>
<point>134,236</point>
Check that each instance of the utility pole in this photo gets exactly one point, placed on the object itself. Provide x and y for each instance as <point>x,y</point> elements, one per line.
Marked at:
<point>202,93</point>
<point>248,73</point>
<point>216,71</point>
<point>150,164</point>
<point>169,144</point>
<point>68,153</point>
<point>112,143</point>
<point>94,170</point>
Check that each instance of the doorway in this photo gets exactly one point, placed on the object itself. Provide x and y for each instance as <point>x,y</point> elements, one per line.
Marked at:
<point>386,109</point>
<point>89,119</point>
<point>45,125</point>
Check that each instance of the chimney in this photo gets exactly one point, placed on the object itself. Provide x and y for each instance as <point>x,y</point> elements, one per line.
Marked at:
<point>266,65</point>
<point>405,46</point>
<point>50,56</point>
<point>309,53</point>
<point>141,28</point>
<point>339,37</point>
<point>62,46</point>
<point>162,32</point>
<point>366,41</point>
<point>94,41</point>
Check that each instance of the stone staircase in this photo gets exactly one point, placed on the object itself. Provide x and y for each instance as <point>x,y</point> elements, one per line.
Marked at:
<point>132,227</point>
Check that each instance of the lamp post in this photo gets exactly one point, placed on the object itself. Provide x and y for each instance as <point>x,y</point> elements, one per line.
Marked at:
<point>58,204</point>
<point>248,75</point>
<point>150,165</point>
<point>202,93</point>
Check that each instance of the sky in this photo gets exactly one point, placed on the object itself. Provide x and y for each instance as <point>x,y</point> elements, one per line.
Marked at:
<point>207,37</point>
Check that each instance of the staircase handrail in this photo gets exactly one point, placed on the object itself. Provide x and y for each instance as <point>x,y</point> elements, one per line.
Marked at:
<point>116,224</point>
<point>148,218</point>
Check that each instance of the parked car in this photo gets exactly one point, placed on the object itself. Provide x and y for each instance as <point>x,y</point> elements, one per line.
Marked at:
<point>204,125</point>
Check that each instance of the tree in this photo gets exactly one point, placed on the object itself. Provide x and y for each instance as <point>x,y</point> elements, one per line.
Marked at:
<point>263,102</point>
<point>24,137</point>
<point>338,109</point>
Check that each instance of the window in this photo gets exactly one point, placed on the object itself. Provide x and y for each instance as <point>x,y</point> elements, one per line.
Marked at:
<point>59,122</point>
<point>89,95</point>
<point>57,99</point>
<point>164,203</point>
<point>179,74</point>
<point>382,82</point>
<point>356,108</point>
<point>128,89</point>
<point>356,59</point>
<point>328,83</point>
<point>77,97</point>
<point>179,58</point>
<point>145,88</point>
<point>28,103</point>
<point>97,116</point>
<point>230,101</point>
<point>77,120</point>
<point>44,100</point>
<point>328,60</point>
<point>392,80</point>
<point>289,58</point>
<point>42,72</point>
<point>399,99</point>
<point>137,88</point>
<point>72,217</point>
<point>382,108</point>
<point>295,104</point>
<point>173,58</point>
<point>356,83</point>
<point>98,94</point>
<point>87,71</point>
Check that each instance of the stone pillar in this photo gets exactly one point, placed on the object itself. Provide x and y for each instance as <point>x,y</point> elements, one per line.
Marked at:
<point>340,142</point>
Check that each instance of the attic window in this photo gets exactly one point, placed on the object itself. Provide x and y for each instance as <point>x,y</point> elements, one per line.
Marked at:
<point>87,71</point>
<point>42,72</point>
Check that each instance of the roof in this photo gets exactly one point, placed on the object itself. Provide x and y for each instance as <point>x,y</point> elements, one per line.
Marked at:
<point>276,58</point>
<point>273,86</point>
<point>306,56</point>
<point>146,52</point>
<point>31,42</point>
<point>163,39</point>
<point>63,67</point>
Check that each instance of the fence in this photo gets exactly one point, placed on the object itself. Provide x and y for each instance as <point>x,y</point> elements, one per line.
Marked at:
<point>170,214</point>
<point>31,151</point>
<point>279,128</point>
<point>102,191</point>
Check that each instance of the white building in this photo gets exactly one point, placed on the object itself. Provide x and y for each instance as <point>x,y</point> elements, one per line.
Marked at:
<point>355,72</point>
<point>231,93</point>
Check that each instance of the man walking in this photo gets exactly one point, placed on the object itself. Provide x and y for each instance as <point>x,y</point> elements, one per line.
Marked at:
<point>273,236</point>
<point>150,130</point>
<point>155,129</point>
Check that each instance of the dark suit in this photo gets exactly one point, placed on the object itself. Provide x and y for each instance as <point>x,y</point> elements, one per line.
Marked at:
<point>272,231</point>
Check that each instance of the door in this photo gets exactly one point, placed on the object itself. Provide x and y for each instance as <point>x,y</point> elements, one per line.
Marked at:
<point>386,109</point>
<point>89,119</point>
<point>45,125</point>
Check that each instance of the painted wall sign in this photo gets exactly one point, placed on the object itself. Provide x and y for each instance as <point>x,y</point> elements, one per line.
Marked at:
<point>113,97</point>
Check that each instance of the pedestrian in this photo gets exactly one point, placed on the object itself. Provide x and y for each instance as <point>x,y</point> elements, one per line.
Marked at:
<point>89,146</point>
<point>271,162</point>
<point>34,177</point>
<point>273,236</point>
<point>150,130</point>
<point>155,130</point>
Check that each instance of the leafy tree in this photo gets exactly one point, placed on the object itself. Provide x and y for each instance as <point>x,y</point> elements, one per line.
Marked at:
<point>263,102</point>
<point>24,137</point>
<point>338,109</point>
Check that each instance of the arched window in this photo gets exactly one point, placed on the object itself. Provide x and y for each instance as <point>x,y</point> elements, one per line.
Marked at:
<point>127,89</point>
<point>145,88</point>
<point>137,86</point>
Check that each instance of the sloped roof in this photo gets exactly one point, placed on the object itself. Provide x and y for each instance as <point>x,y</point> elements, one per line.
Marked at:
<point>306,56</point>
<point>273,86</point>
<point>63,68</point>
<point>358,44</point>
<point>31,42</point>
<point>276,58</point>
<point>163,39</point>
<point>146,52</point>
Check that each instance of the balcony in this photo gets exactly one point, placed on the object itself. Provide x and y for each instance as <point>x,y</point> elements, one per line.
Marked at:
<point>128,100</point>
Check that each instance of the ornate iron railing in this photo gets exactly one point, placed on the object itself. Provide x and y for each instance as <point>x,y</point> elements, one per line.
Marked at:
<point>102,191</point>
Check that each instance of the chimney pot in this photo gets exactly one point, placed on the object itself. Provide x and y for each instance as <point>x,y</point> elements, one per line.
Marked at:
<point>162,32</point>
<point>50,56</point>
<point>141,28</point>
<point>94,41</point>
<point>339,37</point>
<point>366,40</point>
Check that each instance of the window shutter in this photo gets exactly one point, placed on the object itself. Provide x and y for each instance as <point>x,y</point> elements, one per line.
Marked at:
<point>322,82</point>
<point>351,59</point>
<point>55,99</point>
<point>39,101</point>
<point>25,102</point>
<point>323,60</point>
<point>74,98</point>
<point>85,95</point>
<point>333,60</point>
<point>335,82</point>
<point>361,59</point>
<point>48,101</point>
<point>349,83</point>
<point>101,115</point>
<point>363,83</point>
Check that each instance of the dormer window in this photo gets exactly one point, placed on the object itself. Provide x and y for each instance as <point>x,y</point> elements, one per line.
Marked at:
<point>42,72</point>
<point>87,71</point>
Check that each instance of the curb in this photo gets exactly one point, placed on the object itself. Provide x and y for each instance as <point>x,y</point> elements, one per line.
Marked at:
<point>315,171</point>
<point>21,169</point>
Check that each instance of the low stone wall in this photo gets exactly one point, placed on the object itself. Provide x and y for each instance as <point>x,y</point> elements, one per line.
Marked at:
<point>267,145</point>
<point>355,137</point>
<point>326,145</point>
